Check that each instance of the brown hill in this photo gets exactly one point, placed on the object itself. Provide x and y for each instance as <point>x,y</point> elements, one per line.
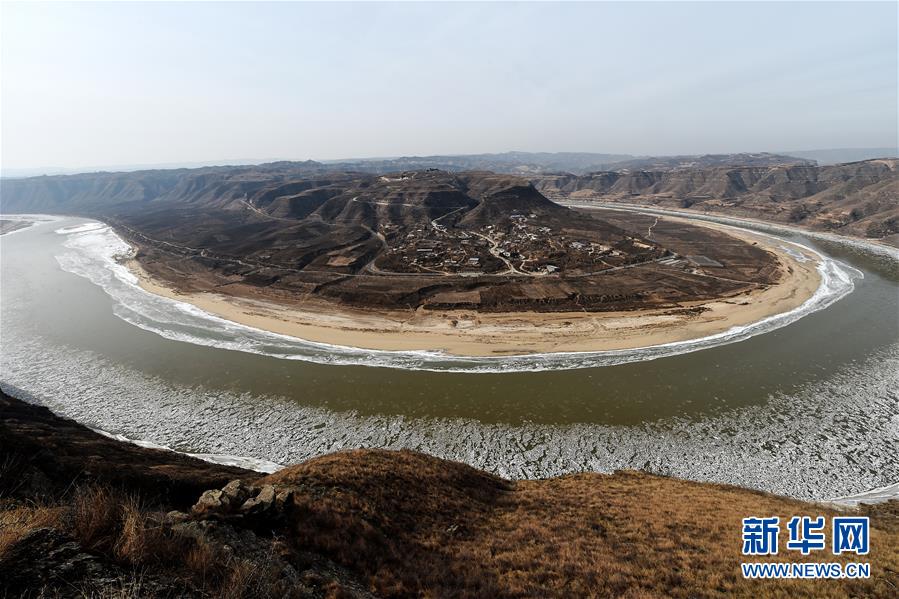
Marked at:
<point>402,241</point>
<point>219,185</point>
<point>92,193</point>
<point>859,198</point>
<point>415,239</point>
<point>375,523</point>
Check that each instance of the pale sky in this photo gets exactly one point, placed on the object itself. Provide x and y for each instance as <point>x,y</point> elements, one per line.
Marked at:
<point>114,84</point>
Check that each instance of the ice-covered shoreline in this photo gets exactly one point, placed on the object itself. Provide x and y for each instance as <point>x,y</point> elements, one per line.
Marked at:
<point>871,496</point>
<point>248,463</point>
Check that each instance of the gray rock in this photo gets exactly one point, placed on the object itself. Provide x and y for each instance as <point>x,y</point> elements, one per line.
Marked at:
<point>261,503</point>
<point>209,501</point>
<point>237,492</point>
<point>226,500</point>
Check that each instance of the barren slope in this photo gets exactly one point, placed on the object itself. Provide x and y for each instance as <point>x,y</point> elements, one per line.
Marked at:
<point>859,198</point>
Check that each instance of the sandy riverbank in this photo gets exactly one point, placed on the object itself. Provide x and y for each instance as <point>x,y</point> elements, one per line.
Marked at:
<point>470,333</point>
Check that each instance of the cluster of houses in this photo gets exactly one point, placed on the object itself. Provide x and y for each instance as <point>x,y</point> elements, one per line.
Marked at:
<point>530,247</point>
<point>448,250</point>
<point>534,244</point>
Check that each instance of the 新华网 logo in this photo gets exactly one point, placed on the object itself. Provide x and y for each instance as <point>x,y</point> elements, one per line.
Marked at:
<point>806,535</point>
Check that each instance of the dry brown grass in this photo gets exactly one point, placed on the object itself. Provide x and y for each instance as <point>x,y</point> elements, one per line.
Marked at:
<point>203,560</point>
<point>18,520</point>
<point>138,539</point>
<point>415,525</point>
<point>145,537</point>
<point>96,516</point>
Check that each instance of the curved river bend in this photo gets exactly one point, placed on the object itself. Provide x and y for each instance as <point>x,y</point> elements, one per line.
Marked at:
<point>805,404</point>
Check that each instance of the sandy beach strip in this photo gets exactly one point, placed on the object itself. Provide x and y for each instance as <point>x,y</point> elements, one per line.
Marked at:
<point>469,333</point>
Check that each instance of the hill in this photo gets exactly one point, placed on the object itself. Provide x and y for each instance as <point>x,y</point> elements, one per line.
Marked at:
<point>373,523</point>
<point>94,193</point>
<point>858,198</point>
<point>430,239</point>
<point>88,190</point>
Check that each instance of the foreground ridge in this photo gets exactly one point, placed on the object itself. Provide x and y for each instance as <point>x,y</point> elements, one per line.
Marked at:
<point>369,523</point>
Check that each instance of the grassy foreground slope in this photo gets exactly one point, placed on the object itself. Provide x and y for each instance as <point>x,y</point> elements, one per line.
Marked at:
<point>81,514</point>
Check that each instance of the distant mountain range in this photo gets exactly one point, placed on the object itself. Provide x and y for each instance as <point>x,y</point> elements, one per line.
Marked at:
<point>841,155</point>
<point>857,198</point>
<point>520,163</point>
<point>527,163</point>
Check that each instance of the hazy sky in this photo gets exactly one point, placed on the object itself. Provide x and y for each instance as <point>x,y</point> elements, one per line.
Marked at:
<point>110,84</point>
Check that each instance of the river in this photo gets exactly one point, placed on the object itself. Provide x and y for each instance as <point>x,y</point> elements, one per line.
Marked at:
<point>806,406</point>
